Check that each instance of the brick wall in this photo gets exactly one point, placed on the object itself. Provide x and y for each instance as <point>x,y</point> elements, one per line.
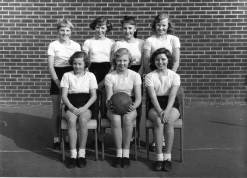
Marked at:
<point>212,34</point>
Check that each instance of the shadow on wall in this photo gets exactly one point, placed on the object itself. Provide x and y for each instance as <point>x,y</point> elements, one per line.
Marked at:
<point>28,132</point>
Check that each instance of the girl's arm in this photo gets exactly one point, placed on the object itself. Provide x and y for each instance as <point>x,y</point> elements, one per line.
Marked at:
<point>142,65</point>
<point>52,71</point>
<point>176,55</point>
<point>109,93</point>
<point>138,98</point>
<point>154,100</point>
<point>146,59</point>
<point>66,101</point>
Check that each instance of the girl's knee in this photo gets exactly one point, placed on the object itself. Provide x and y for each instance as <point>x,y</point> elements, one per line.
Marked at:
<point>116,122</point>
<point>127,121</point>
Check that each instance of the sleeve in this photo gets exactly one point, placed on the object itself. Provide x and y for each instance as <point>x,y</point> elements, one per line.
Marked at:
<point>93,82</point>
<point>137,80</point>
<point>147,44</point>
<point>176,80</point>
<point>115,47</point>
<point>51,50</point>
<point>108,81</point>
<point>175,42</point>
<point>86,46</point>
<point>78,47</point>
<point>65,81</point>
<point>148,80</point>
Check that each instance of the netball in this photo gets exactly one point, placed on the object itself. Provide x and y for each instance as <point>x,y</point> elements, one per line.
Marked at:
<point>120,102</point>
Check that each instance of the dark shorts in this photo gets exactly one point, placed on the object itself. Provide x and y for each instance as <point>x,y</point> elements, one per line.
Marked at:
<point>100,70</point>
<point>135,68</point>
<point>163,101</point>
<point>78,100</point>
<point>54,90</point>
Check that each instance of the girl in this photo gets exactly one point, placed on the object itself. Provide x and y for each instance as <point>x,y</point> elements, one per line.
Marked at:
<point>59,52</point>
<point>125,80</point>
<point>99,50</point>
<point>163,38</point>
<point>162,86</point>
<point>78,93</point>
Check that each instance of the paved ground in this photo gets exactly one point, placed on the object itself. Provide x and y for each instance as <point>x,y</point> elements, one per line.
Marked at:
<point>215,146</point>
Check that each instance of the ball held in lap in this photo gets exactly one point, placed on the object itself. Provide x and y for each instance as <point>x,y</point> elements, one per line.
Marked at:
<point>120,102</point>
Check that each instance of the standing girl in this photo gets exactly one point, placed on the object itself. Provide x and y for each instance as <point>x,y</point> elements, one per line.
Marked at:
<point>163,38</point>
<point>59,52</point>
<point>99,50</point>
<point>135,47</point>
<point>78,93</point>
<point>124,80</point>
<point>162,86</point>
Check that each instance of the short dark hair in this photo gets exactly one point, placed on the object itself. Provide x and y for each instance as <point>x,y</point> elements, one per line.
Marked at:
<point>171,59</point>
<point>121,52</point>
<point>132,21</point>
<point>160,17</point>
<point>103,21</point>
<point>80,54</point>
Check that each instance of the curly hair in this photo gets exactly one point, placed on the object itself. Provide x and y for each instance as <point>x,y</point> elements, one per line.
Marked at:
<point>160,17</point>
<point>65,23</point>
<point>171,59</point>
<point>132,21</point>
<point>120,52</point>
<point>102,21</point>
<point>80,54</point>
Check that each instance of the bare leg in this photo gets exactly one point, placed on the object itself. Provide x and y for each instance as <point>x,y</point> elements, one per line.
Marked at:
<point>56,100</point>
<point>83,130</point>
<point>72,133</point>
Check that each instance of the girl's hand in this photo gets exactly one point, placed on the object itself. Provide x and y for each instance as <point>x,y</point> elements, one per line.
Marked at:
<point>164,117</point>
<point>109,104</point>
<point>131,107</point>
<point>82,110</point>
<point>57,83</point>
<point>75,111</point>
<point>101,86</point>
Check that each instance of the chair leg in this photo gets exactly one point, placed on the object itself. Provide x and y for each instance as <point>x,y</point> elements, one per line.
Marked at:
<point>181,145</point>
<point>135,145</point>
<point>96,144</point>
<point>103,144</point>
<point>147,142</point>
<point>62,145</point>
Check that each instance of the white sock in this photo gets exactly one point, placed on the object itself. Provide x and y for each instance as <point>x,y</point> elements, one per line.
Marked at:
<point>56,139</point>
<point>82,153</point>
<point>126,153</point>
<point>119,153</point>
<point>73,153</point>
<point>167,157</point>
<point>160,157</point>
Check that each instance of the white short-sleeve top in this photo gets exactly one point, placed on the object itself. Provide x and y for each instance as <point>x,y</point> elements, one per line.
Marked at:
<point>77,84</point>
<point>135,48</point>
<point>121,83</point>
<point>162,84</point>
<point>153,43</point>
<point>62,53</point>
<point>98,50</point>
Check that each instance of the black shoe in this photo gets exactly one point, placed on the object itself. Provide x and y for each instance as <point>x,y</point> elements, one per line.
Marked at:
<point>71,163</point>
<point>158,166</point>
<point>125,163</point>
<point>167,166</point>
<point>81,162</point>
<point>57,146</point>
<point>92,145</point>
<point>117,162</point>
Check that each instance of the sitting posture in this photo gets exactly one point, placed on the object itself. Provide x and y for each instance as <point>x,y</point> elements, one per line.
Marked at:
<point>128,81</point>
<point>78,93</point>
<point>162,86</point>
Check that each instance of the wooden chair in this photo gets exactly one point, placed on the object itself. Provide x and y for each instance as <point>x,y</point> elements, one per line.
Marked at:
<point>92,124</point>
<point>106,123</point>
<point>179,124</point>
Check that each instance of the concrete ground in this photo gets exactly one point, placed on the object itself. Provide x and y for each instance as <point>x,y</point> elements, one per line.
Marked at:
<point>215,145</point>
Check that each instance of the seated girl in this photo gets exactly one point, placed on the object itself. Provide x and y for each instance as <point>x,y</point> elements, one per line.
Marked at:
<point>162,86</point>
<point>122,80</point>
<point>78,93</point>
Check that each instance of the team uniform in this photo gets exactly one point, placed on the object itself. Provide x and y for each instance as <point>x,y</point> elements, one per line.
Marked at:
<point>135,50</point>
<point>121,83</point>
<point>99,52</point>
<point>162,86</point>
<point>61,54</point>
<point>78,87</point>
